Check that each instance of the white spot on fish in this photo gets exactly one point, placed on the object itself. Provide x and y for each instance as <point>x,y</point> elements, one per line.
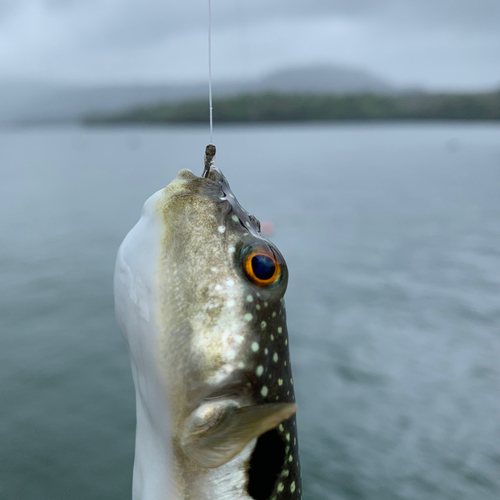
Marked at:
<point>222,229</point>
<point>275,357</point>
<point>230,354</point>
<point>230,303</point>
<point>274,314</point>
<point>231,195</point>
<point>286,342</point>
<point>263,325</point>
<point>241,365</point>
<point>264,391</point>
<point>280,487</point>
<point>257,307</point>
<point>248,316</point>
<point>280,427</point>
<point>280,381</point>
<point>280,329</point>
<point>230,283</point>
<point>287,436</point>
<point>285,473</point>
<point>232,249</point>
<point>272,336</point>
<point>290,458</point>
<point>259,371</point>
<point>249,298</point>
<point>247,224</point>
<point>214,270</point>
<point>239,339</point>
<point>292,486</point>
<point>265,304</point>
<point>266,350</point>
<point>255,347</point>
<point>235,218</point>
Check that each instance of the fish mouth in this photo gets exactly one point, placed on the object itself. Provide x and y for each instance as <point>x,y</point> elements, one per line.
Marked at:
<point>186,179</point>
<point>215,175</point>
<point>214,187</point>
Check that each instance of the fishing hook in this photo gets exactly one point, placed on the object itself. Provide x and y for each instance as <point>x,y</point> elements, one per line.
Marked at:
<point>209,159</point>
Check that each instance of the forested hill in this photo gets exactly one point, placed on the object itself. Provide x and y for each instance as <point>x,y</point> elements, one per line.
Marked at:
<point>38,102</point>
<point>274,107</point>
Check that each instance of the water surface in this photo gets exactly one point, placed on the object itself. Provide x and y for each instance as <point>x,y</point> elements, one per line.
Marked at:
<point>392,238</point>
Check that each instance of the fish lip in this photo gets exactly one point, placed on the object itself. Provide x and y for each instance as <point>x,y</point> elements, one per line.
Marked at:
<point>215,186</point>
<point>217,179</point>
<point>215,175</point>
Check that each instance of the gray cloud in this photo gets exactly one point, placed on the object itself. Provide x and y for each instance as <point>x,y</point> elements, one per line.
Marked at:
<point>6,8</point>
<point>130,21</point>
<point>136,19</point>
<point>403,39</point>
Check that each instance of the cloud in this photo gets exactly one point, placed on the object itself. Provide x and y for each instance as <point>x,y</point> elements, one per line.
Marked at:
<point>436,42</point>
<point>133,22</point>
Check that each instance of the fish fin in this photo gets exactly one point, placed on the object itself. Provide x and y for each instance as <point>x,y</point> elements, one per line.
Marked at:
<point>218,430</point>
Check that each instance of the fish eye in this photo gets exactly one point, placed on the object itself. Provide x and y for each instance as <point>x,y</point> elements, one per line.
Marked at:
<point>261,266</point>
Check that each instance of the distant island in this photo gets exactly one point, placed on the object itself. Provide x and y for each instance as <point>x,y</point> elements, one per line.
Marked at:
<point>280,107</point>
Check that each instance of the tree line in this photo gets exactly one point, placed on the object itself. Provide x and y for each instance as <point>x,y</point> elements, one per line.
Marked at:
<point>272,107</point>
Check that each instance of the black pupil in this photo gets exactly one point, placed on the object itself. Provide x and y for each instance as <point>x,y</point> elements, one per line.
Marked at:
<point>263,266</point>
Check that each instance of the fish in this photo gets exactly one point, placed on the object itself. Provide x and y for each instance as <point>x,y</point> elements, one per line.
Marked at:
<point>199,297</point>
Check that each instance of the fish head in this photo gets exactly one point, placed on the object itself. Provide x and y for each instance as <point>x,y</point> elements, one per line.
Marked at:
<point>223,285</point>
<point>220,349</point>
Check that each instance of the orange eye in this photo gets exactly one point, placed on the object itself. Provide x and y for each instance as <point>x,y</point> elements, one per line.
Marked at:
<point>261,267</point>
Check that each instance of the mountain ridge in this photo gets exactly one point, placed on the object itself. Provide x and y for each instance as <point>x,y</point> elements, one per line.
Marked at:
<point>24,102</point>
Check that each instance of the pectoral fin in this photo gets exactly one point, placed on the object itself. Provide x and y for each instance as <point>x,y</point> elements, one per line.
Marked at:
<point>218,430</point>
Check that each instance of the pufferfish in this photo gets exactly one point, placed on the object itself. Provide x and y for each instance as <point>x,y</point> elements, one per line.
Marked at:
<point>199,298</point>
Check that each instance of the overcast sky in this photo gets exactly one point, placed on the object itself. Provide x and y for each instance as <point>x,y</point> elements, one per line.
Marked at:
<point>437,44</point>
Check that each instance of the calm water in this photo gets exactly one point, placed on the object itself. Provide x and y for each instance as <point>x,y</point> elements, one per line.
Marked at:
<point>392,237</point>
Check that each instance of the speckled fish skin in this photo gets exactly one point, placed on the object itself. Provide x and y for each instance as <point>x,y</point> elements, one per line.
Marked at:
<point>208,347</point>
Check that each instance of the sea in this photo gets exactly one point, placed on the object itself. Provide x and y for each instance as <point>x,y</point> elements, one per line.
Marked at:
<point>391,234</point>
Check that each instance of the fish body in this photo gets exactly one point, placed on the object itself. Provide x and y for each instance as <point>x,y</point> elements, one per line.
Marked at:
<point>199,298</point>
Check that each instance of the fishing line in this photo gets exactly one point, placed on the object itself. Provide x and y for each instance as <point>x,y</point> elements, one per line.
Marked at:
<point>210,70</point>
<point>210,149</point>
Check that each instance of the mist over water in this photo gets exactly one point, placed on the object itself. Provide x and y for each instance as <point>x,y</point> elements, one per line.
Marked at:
<point>392,238</point>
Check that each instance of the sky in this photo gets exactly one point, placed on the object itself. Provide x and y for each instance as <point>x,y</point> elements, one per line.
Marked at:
<point>432,44</point>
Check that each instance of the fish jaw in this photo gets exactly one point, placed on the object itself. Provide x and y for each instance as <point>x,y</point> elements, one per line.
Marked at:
<point>214,342</point>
